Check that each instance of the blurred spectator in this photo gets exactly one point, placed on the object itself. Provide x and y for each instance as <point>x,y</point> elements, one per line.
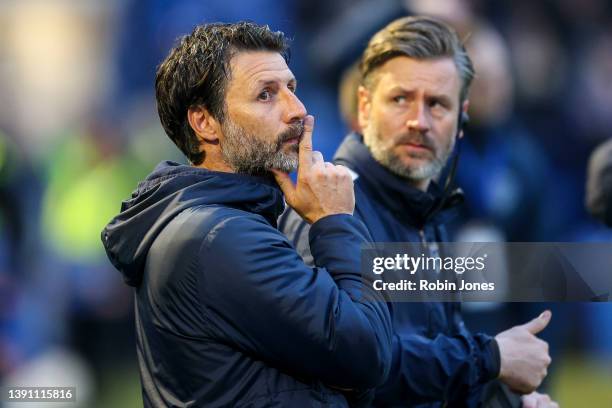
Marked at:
<point>19,198</point>
<point>599,183</point>
<point>599,204</point>
<point>540,57</point>
<point>347,97</point>
<point>593,88</point>
<point>57,58</point>
<point>503,169</point>
<point>20,334</point>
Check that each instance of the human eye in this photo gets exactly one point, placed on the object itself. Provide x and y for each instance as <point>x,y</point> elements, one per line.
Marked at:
<point>292,87</point>
<point>399,99</point>
<point>264,95</point>
<point>438,104</point>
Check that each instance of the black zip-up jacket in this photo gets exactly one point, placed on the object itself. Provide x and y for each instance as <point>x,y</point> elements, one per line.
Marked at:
<point>227,313</point>
<point>436,360</point>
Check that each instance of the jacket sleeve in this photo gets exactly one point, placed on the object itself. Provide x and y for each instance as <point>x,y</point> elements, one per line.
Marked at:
<point>308,321</point>
<point>423,369</point>
<point>448,368</point>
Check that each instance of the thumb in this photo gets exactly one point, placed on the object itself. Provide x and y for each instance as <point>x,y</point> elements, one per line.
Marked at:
<point>285,183</point>
<point>539,323</point>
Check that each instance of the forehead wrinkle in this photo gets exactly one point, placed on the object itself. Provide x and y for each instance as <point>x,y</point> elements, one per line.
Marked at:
<point>418,79</point>
<point>440,81</point>
<point>277,70</point>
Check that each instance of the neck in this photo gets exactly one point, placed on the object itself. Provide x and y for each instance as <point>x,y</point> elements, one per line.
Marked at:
<point>215,167</point>
<point>213,161</point>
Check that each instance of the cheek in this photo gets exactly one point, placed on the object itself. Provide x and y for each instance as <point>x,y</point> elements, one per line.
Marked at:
<point>445,133</point>
<point>387,126</point>
<point>256,121</point>
<point>262,127</point>
<point>268,121</point>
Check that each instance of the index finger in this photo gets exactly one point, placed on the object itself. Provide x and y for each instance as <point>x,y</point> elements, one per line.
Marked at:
<point>305,147</point>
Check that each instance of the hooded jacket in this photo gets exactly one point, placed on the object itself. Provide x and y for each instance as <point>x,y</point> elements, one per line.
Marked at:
<point>227,313</point>
<point>435,359</point>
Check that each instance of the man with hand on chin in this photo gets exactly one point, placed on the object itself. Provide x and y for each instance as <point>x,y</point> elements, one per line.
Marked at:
<point>413,98</point>
<point>227,313</point>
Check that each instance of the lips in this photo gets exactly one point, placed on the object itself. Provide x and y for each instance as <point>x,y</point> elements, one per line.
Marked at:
<point>293,140</point>
<point>416,146</point>
<point>414,141</point>
<point>291,136</point>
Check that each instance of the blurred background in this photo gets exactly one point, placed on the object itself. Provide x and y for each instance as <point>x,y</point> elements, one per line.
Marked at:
<point>79,128</point>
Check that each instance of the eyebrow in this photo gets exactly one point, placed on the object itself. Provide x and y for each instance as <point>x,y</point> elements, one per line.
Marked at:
<point>438,96</point>
<point>260,82</point>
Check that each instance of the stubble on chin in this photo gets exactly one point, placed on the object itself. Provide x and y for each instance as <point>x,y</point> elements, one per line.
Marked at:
<point>412,166</point>
<point>248,154</point>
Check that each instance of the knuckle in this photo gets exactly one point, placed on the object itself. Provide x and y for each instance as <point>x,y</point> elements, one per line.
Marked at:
<point>343,171</point>
<point>347,180</point>
<point>317,170</point>
<point>320,175</point>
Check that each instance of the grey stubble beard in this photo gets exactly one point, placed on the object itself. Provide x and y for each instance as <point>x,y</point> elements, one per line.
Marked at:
<point>248,154</point>
<point>385,155</point>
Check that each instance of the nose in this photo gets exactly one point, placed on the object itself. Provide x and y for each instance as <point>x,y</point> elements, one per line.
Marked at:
<point>417,120</point>
<point>294,108</point>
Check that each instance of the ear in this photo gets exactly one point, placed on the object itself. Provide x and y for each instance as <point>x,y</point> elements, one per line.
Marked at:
<point>464,108</point>
<point>204,125</point>
<point>364,106</point>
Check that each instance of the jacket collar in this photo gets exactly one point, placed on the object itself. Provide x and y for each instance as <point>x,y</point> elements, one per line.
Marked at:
<point>406,202</point>
<point>171,189</point>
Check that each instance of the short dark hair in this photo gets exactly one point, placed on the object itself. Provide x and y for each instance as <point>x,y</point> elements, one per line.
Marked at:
<point>197,70</point>
<point>421,38</point>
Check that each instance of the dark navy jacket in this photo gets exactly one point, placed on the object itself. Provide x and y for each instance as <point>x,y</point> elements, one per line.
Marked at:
<point>227,313</point>
<point>435,358</point>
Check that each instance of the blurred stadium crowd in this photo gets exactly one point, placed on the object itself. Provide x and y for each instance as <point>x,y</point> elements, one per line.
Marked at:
<point>78,129</point>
